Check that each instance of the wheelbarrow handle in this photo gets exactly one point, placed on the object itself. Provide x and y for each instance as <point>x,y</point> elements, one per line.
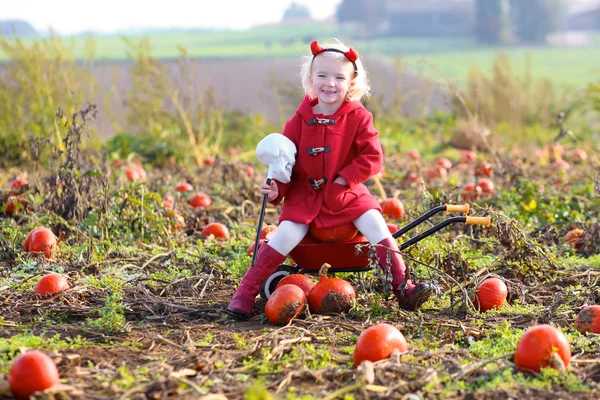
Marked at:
<point>261,218</point>
<point>467,220</point>
<point>457,208</point>
<point>448,208</point>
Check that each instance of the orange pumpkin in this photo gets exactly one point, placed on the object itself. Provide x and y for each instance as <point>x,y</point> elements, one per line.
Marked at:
<point>250,250</point>
<point>266,230</point>
<point>300,280</point>
<point>411,178</point>
<point>286,303</point>
<point>216,229</point>
<point>414,154</point>
<point>330,295</point>
<point>484,169</point>
<point>573,237</point>
<point>41,241</point>
<point>335,234</point>
<point>542,346</point>
<point>468,156</point>
<point>560,165</point>
<point>392,207</point>
<point>470,192</point>
<point>486,185</point>
<point>19,184</point>
<point>588,319</point>
<point>32,372</point>
<point>579,155</point>
<point>51,284</point>
<point>184,187</point>
<point>377,342</point>
<point>393,228</point>
<point>437,172</point>
<point>15,204</point>
<point>200,199</point>
<point>443,163</point>
<point>491,293</point>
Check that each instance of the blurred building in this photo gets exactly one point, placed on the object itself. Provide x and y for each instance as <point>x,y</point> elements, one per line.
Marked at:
<point>430,17</point>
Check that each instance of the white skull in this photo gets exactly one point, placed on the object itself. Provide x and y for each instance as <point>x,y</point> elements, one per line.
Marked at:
<point>279,154</point>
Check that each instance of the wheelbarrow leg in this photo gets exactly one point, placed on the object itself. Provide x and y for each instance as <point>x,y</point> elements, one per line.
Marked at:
<point>410,296</point>
<point>242,303</point>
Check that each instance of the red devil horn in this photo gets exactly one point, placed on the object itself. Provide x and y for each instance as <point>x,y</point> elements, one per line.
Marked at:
<point>315,48</point>
<point>351,54</point>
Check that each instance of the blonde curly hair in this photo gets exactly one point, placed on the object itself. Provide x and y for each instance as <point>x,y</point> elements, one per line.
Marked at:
<point>359,86</point>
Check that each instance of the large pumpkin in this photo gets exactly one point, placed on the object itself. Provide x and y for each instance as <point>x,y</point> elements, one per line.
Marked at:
<point>330,295</point>
<point>588,319</point>
<point>335,234</point>
<point>491,293</point>
<point>377,342</point>
<point>542,346</point>
<point>285,303</point>
<point>300,280</point>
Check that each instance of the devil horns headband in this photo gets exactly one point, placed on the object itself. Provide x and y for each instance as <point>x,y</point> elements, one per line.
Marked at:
<point>351,55</point>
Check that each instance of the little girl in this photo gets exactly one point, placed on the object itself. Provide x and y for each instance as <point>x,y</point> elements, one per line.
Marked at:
<point>338,148</point>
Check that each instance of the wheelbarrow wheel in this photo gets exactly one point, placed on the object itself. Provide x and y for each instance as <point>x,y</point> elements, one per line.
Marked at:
<point>268,286</point>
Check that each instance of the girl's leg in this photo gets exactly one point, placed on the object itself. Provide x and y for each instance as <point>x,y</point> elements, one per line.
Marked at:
<point>270,256</point>
<point>373,226</point>
<point>287,236</point>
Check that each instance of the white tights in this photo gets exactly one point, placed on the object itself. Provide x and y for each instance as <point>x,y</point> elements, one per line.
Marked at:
<point>289,234</point>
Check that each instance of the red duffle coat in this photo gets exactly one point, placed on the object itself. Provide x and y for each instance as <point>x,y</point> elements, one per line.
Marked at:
<point>344,144</point>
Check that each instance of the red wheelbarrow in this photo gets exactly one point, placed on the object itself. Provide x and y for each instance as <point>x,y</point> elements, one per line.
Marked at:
<point>311,254</point>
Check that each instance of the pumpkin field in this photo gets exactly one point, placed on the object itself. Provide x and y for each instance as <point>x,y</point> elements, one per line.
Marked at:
<point>118,257</point>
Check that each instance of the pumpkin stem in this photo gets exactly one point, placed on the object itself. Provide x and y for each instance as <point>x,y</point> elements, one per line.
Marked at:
<point>557,362</point>
<point>379,187</point>
<point>323,270</point>
<point>60,236</point>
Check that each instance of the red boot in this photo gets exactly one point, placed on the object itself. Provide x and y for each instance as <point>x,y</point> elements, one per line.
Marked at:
<point>267,261</point>
<point>409,295</point>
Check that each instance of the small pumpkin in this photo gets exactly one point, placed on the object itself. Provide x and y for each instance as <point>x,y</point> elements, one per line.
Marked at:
<point>31,372</point>
<point>334,234</point>
<point>393,228</point>
<point>377,342</point>
<point>300,280</point>
<point>542,346</point>
<point>51,284</point>
<point>250,250</point>
<point>266,230</point>
<point>573,238</point>
<point>486,185</point>
<point>470,192</point>
<point>330,295</point>
<point>588,319</point>
<point>491,293</point>
<point>200,199</point>
<point>414,154</point>
<point>443,162</point>
<point>286,303</point>
<point>392,207</point>
<point>184,187</point>
<point>41,241</point>
<point>468,156</point>
<point>484,169</point>
<point>216,229</point>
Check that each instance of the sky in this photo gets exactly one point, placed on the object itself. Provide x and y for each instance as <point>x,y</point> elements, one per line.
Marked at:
<point>71,16</point>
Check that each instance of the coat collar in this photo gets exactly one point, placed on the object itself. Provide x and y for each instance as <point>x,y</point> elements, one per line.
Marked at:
<point>305,109</point>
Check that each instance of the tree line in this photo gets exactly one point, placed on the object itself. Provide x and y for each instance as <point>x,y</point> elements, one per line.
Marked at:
<point>496,21</point>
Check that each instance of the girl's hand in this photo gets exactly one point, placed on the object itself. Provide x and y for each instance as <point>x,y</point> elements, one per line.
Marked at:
<point>272,191</point>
